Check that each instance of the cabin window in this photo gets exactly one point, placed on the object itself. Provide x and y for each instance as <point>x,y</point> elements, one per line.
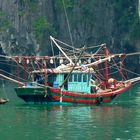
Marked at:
<point>70,78</point>
<point>85,78</point>
<point>75,78</point>
<point>51,78</point>
<point>79,77</point>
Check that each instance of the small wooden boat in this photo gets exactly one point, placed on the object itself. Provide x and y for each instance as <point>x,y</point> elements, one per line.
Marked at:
<point>3,101</point>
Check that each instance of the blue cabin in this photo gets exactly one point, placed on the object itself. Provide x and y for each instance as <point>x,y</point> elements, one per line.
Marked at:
<point>78,82</point>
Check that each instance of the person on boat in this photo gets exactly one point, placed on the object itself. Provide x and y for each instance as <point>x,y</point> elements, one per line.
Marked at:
<point>39,79</point>
<point>112,82</point>
<point>94,87</point>
<point>84,67</point>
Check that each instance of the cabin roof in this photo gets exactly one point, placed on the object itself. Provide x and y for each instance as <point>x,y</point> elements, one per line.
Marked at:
<point>56,71</point>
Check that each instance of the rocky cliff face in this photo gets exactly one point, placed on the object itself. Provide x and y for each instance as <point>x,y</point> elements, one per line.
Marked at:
<point>26,25</point>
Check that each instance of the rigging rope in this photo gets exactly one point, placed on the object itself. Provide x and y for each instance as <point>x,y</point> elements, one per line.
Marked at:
<point>67,22</point>
<point>77,49</point>
<point>131,72</point>
<point>10,74</point>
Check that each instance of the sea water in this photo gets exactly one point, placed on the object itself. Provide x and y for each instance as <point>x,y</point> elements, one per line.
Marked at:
<point>118,120</point>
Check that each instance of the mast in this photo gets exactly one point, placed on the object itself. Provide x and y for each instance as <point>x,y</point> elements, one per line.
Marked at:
<point>73,67</point>
<point>106,64</point>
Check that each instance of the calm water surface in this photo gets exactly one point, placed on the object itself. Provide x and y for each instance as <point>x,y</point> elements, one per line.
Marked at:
<point>118,120</point>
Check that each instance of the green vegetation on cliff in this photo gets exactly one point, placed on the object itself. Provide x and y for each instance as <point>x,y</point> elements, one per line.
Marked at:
<point>5,23</point>
<point>41,26</point>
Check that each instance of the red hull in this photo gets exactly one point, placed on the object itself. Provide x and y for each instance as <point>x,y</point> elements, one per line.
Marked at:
<point>72,97</point>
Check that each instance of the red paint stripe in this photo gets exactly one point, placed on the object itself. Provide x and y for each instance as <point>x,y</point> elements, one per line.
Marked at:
<point>72,100</point>
<point>87,95</point>
<point>57,98</point>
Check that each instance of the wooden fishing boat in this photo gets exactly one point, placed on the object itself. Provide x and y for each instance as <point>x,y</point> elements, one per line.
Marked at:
<point>39,95</point>
<point>74,83</point>
<point>3,101</point>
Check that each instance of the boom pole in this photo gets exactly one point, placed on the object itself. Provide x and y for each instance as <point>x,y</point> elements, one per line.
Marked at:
<point>61,49</point>
<point>11,79</point>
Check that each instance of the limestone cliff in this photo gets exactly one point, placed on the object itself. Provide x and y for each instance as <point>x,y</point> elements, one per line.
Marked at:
<point>26,25</point>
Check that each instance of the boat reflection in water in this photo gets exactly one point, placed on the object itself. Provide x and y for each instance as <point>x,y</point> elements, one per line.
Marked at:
<point>118,120</point>
<point>111,121</point>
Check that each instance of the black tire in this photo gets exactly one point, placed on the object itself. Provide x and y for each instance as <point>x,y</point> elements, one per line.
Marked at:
<point>99,100</point>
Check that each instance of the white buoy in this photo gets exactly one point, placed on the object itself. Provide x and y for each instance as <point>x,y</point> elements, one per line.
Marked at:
<point>51,61</point>
<point>19,60</point>
<point>27,61</point>
<point>79,61</point>
<point>61,60</point>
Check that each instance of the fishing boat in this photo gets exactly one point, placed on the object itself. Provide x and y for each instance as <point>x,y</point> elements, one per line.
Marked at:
<point>3,101</point>
<point>73,76</point>
<point>79,78</point>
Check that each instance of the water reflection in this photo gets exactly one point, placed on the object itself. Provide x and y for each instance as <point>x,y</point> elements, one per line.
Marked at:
<point>68,122</point>
<point>116,120</point>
